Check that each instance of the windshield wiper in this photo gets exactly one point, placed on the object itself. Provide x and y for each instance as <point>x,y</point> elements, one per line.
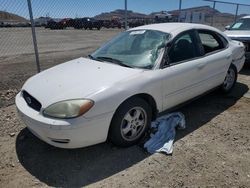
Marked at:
<point>112,60</point>
<point>93,58</point>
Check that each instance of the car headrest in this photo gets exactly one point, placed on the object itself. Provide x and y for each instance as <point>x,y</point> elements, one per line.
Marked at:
<point>183,44</point>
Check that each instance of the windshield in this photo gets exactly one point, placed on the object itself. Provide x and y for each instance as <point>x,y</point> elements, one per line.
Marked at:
<point>242,24</point>
<point>139,48</point>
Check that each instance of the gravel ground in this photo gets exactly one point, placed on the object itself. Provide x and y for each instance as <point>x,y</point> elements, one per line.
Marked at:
<point>214,150</point>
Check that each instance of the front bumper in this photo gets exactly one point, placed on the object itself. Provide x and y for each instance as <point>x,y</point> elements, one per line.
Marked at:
<point>65,133</point>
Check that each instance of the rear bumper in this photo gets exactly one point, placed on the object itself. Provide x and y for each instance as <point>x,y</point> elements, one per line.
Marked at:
<point>247,54</point>
<point>71,133</point>
<point>239,63</point>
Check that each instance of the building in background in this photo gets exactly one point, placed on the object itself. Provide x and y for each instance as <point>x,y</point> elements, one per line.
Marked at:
<point>192,17</point>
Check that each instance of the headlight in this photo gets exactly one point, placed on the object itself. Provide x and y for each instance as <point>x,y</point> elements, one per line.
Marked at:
<point>68,108</point>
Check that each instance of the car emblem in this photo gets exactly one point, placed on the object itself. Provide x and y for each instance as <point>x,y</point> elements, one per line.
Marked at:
<point>28,99</point>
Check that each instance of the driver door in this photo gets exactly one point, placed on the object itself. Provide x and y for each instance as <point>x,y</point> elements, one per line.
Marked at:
<point>182,75</point>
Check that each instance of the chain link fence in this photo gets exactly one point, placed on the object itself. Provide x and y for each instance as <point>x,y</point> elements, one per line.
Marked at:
<point>15,34</point>
<point>70,29</point>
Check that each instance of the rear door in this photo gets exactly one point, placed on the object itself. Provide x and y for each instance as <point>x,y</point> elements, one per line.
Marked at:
<point>216,58</point>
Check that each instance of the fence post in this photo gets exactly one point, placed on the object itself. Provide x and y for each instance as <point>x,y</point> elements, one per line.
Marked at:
<point>126,15</point>
<point>34,35</point>
<point>236,13</point>
<point>212,18</point>
<point>180,3</point>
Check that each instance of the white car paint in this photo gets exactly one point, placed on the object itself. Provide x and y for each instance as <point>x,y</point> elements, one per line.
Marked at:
<point>108,85</point>
<point>240,35</point>
<point>66,81</point>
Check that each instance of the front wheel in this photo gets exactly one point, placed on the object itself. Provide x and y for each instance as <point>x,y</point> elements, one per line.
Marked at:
<point>230,79</point>
<point>130,122</point>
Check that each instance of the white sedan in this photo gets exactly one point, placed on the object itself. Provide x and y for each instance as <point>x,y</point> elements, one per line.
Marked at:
<point>116,92</point>
<point>240,31</point>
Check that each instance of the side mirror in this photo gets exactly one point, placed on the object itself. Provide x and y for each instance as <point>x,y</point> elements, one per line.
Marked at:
<point>169,44</point>
<point>227,27</point>
<point>165,60</point>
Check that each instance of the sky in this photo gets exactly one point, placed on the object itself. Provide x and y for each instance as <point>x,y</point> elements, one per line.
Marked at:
<point>82,8</point>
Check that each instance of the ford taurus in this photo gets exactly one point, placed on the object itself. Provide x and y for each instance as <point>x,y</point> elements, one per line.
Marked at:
<point>115,92</point>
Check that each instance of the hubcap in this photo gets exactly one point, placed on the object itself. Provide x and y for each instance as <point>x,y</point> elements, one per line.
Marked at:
<point>229,80</point>
<point>133,123</point>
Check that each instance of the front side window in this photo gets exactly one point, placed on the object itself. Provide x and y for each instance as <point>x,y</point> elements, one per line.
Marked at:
<point>210,41</point>
<point>139,48</point>
<point>183,48</point>
<point>241,24</point>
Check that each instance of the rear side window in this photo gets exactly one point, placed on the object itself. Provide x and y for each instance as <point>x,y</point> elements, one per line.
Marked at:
<point>211,41</point>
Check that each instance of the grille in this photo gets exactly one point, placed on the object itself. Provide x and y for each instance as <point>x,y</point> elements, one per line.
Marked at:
<point>31,101</point>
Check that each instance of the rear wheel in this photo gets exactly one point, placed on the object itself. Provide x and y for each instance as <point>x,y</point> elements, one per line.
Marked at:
<point>230,79</point>
<point>130,122</point>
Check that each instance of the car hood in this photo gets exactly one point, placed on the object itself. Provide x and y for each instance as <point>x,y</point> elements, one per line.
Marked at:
<point>75,79</point>
<point>237,33</point>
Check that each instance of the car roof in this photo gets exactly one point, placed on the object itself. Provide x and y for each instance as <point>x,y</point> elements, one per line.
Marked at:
<point>174,28</point>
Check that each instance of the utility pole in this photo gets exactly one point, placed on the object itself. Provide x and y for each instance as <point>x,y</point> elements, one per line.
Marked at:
<point>180,3</point>
<point>236,14</point>
<point>126,15</point>
<point>212,17</point>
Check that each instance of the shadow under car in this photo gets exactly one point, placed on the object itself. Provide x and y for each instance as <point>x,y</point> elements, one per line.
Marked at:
<point>78,167</point>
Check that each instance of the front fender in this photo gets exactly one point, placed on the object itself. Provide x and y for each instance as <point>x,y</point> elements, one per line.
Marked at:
<point>109,99</point>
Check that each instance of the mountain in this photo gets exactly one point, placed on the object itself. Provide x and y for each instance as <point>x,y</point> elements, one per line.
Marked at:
<point>119,14</point>
<point>10,17</point>
<point>209,11</point>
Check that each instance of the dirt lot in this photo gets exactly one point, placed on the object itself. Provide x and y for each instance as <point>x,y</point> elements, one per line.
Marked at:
<point>214,150</point>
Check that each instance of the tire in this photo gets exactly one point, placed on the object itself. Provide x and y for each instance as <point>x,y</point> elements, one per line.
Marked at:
<point>130,122</point>
<point>230,79</point>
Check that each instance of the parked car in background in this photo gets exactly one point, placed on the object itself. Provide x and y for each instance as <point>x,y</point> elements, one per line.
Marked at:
<point>136,23</point>
<point>162,17</point>
<point>114,23</point>
<point>56,24</point>
<point>87,23</point>
<point>240,31</point>
<point>122,86</point>
<point>68,22</point>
